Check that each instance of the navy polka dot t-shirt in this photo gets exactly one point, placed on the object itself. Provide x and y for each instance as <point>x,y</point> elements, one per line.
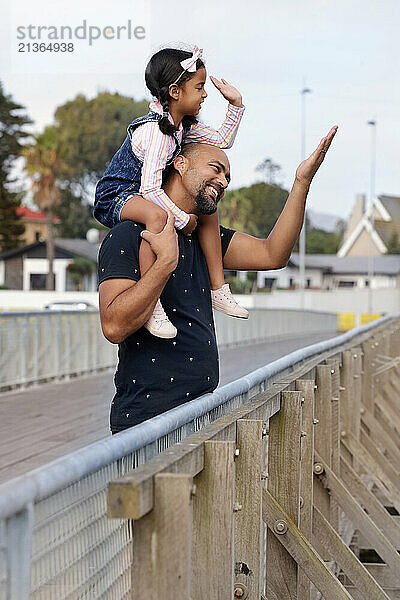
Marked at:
<point>154,374</point>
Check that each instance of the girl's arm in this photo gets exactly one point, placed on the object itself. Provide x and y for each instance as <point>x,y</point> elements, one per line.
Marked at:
<point>225,135</point>
<point>222,137</point>
<point>155,151</point>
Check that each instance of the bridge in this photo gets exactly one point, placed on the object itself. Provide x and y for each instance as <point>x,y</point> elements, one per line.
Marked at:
<point>279,485</point>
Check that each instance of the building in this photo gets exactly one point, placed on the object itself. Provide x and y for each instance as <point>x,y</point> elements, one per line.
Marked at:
<point>25,268</point>
<point>361,237</point>
<point>35,224</point>
<point>330,272</point>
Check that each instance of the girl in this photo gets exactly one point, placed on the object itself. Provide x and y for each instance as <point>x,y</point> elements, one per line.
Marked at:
<point>176,78</point>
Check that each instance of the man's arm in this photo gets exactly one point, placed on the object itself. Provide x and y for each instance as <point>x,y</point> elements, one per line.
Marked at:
<point>125,305</point>
<point>248,253</point>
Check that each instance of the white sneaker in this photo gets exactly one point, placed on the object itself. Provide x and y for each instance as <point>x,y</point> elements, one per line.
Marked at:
<point>223,301</point>
<point>159,324</point>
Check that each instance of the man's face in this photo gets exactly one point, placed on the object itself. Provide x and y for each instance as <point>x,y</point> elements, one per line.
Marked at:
<point>207,177</point>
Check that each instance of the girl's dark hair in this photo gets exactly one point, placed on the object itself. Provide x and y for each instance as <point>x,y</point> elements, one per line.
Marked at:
<point>163,69</point>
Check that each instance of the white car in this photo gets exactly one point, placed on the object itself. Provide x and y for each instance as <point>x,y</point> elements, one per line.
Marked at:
<point>70,305</point>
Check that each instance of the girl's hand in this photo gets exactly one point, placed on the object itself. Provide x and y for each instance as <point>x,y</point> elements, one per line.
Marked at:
<point>228,91</point>
<point>190,225</point>
<point>307,169</point>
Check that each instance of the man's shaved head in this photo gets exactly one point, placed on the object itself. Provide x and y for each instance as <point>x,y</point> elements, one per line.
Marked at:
<point>200,173</point>
<point>191,150</point>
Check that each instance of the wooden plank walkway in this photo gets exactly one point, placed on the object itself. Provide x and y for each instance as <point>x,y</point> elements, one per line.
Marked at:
<point>42,423</point>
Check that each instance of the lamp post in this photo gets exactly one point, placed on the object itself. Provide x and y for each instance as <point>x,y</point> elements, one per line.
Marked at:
<point>372,124</point>
<point>302,242</point>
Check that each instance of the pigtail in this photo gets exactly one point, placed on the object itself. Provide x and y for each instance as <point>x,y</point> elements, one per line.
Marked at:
<point>188,120</point>
<point>164,123</point>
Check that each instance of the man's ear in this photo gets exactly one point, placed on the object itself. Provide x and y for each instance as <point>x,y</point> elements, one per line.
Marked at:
<point>181,163</point>
<point>174,91</point>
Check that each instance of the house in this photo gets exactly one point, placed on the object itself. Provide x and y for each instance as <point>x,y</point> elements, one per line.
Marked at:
<point>330,272</point>
<point>25,268</point>
<point>35,224</point>
<point>361,237</point>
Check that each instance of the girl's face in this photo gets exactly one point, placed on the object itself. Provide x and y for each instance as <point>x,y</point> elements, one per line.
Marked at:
<point>192,93</point>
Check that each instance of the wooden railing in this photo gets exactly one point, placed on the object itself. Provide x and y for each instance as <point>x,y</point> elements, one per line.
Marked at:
<point>282,497</point>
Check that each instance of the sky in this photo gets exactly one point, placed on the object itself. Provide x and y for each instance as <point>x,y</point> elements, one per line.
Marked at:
<point>345,51</point>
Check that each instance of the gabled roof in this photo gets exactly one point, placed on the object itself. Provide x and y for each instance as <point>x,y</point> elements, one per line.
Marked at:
<point>391,205</point>
<point>365,223</point>
<point>71,248</point>
<point>33,215</point>
<point>79,247</point>
<point>386,216</point>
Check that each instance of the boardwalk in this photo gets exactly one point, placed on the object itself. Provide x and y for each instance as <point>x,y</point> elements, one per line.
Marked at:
<point>46,422</point>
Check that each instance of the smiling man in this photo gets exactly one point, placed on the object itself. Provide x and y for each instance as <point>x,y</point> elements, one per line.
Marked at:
<point>156,374</point>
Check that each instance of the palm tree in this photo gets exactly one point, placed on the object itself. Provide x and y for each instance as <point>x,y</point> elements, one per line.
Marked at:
<point>45,161</point>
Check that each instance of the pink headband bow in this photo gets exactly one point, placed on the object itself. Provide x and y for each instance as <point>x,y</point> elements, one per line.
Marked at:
<point>189,64</point>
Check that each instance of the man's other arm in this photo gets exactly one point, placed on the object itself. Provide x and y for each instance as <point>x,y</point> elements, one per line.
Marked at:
<point>248,253</point>
<point>125,305</point>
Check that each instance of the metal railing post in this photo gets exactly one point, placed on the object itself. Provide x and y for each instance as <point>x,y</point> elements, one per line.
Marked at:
<point>19,533</point>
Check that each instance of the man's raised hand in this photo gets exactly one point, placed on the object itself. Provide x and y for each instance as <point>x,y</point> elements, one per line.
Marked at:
<point>307,169</point>
<point>229,92</point>
<point>164,244</point>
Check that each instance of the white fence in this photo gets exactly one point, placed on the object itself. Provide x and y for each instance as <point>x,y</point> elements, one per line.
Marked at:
<point>44,345</point>
<point>384,301</point>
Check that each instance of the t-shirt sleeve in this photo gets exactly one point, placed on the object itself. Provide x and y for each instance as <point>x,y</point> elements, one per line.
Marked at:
<point>119,253</point>
<point>226,236</point>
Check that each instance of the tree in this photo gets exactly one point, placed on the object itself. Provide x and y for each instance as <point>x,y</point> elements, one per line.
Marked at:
<point>270,170</point>
<point>93,130</point>
<point>80,267</point>
<point>393,245</point>
<point>253,209</point>
<point>45,160</point>
<point>75,216</point>
<point>13,121</point>
<point>319,241</point>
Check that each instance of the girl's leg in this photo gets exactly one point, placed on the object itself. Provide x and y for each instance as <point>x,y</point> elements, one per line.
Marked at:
<point>210,241</point>
<point>154,218</point>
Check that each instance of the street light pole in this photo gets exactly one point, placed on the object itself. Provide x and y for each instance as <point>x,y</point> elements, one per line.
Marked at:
<point>302,241</point>
<point>372,124</point>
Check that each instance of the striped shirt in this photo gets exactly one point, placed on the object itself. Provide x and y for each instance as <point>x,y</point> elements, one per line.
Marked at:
<point>155,148</point>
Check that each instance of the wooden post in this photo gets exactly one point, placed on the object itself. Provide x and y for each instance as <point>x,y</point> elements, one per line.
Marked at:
<point>156,571</point>
<point>306,387</point>
<point>368,348</point>
<point>346,394</point>
<point>355,405</point>
<point>213,506</point>
<point>395,353</point>
<point>335,437</point>
<point>248,520</point>
<point>322,443</point>
<point>385,351</point>
<point>283,485</point>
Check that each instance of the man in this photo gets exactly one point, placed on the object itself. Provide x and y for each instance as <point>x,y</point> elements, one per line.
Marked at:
<point>156,374</point>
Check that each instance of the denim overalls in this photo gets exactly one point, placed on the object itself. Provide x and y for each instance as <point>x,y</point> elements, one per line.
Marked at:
<point>123,175</point>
